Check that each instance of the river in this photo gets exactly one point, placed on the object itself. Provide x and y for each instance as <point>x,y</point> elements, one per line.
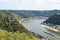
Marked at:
<point>36,27</point>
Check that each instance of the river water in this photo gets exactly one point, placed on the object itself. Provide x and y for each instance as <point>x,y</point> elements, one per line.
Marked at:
<point>36,27</point>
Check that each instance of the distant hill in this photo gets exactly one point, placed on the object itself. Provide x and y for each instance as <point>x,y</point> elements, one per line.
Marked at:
<point>10,13</point>
<point>47,13</point>
<point>54,19</point>
<point>19,14</point>
<point>53,22</point>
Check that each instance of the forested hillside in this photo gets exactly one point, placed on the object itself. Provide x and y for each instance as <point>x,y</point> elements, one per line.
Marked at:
<point>10,29</point>
<point>54,19</point>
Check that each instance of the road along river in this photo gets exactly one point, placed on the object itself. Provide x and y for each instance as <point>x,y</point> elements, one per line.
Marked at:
<point>35,26</point>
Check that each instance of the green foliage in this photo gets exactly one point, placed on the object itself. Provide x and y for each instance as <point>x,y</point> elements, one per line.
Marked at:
<point>4,35</point>
<point>50,39</point>
<point>17,15</point>
<point>10,29</point>
<point>54,19</point>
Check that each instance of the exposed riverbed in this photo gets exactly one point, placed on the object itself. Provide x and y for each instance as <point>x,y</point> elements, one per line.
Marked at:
<point>36,27</point>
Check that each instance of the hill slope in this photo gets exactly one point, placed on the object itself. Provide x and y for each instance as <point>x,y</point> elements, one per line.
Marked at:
<point>53,23</point>
<point>19,14</point>
<point>47,13</point>
<point>10,29</point>
<point>55,19</point>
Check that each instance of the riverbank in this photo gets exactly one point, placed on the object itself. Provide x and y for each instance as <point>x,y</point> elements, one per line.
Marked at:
<point>39,36</point>
<point>48,27</point>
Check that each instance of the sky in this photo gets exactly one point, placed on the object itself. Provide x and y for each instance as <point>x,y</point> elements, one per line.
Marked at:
<point>30,4</point>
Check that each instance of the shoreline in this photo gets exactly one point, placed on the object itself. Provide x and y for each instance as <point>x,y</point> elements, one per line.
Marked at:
<point>39,36</point>
<point>50,28</point>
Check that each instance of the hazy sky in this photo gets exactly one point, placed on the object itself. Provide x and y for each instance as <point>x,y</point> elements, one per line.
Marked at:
<point>30,4</point>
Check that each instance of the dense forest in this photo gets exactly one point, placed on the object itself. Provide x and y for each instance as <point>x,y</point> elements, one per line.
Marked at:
<point>54,19</point>
<point>10,29</point>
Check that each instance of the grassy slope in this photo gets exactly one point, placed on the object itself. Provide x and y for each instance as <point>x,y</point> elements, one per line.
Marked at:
<point>18,15</point>
<point>19,34</point>
<point>11,13</point>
